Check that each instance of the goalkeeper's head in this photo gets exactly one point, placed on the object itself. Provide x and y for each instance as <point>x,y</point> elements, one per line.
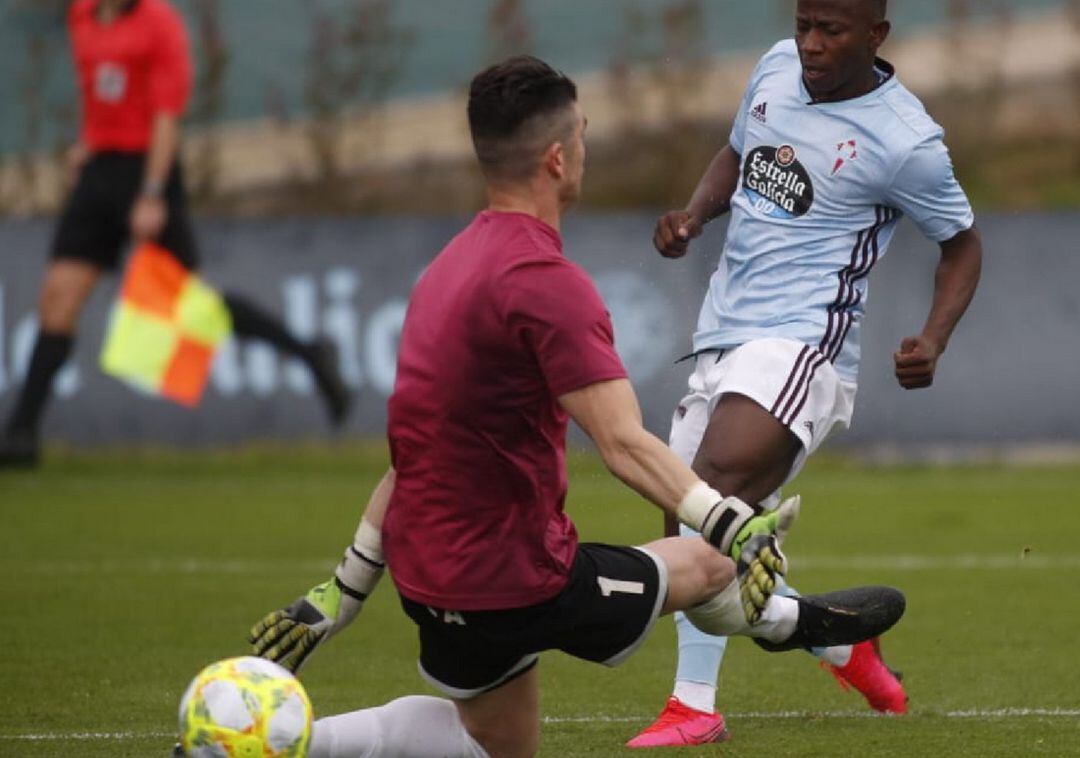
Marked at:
<point>527,128</point>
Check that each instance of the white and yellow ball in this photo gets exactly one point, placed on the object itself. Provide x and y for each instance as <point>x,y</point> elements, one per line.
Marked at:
<point>245,708</point>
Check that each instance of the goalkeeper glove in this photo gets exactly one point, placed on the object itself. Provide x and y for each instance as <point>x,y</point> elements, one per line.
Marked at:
<point>777,521</point>
<point>727,522</point>
<point>288,636</point>
<point>759,561</point>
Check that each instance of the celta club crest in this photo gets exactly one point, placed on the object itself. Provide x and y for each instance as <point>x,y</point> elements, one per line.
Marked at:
<point>847,151</point>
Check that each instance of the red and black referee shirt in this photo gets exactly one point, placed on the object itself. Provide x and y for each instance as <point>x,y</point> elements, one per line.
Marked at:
<point>129,70</point>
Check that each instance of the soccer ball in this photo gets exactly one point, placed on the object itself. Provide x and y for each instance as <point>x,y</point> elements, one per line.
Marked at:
<point>245,708</point>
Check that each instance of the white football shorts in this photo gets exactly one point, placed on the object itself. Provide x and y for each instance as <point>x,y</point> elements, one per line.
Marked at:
<point>793,381</point>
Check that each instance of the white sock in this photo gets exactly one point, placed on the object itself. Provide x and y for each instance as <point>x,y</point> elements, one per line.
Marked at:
<point>722,614</point>
<point>838,655</point>
<point>777,620</point>
<point>700,697</point>
<point>410,727</point>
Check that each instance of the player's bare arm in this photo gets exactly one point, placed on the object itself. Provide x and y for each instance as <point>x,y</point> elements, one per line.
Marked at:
<point>149,213</point>
<point>609,413</point>
<point>74,160</point>
<point>711,198</point>
<point>954,285</point>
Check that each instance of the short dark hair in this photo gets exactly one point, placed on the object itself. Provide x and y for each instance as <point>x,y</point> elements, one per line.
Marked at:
<point>516,109</point>
<point>880,7</point>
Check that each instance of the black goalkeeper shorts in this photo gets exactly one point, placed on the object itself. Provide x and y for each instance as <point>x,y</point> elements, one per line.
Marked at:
<point>94,222</point>
<point>604,613</point>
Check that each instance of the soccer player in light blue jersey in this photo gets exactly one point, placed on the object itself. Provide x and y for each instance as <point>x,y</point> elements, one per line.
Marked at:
<point>827,153</point>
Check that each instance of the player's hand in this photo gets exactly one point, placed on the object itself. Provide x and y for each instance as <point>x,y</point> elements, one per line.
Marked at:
<point>916,361</point>
<point>77,156</point>
<point>775,522</point>
<point>288,636</point>
<point>673,233</point>
<point>147,219</point>
<point>728,522</point>
<point>759,562</point>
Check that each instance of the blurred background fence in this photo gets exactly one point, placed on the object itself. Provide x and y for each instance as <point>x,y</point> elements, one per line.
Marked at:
<point>317,106</point>
<point>1010,377</point>
<point>329,159</point>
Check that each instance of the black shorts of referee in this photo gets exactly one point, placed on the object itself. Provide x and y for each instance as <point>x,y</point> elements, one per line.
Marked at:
<point>94,224</point>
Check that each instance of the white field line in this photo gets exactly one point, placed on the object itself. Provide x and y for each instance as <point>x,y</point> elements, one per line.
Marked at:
<point>894,562</point>
<point>87,736</point>
<point>974,562</point>
<point>174,566</point>
<point>974,715</point>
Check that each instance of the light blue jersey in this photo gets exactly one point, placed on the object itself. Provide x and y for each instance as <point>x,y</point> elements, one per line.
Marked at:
<point>820,192</point>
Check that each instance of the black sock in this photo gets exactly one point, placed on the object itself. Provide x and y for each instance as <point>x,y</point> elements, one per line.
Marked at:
<point>252,322</point>
<point>50,352</point>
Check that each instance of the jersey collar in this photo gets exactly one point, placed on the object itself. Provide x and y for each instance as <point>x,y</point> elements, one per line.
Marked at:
<point>885,72</point>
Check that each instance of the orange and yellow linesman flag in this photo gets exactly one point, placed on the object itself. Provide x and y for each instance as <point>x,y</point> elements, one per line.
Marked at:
<point>166,325</point>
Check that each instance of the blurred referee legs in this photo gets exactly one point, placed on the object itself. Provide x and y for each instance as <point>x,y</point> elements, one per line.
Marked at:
<point>20,444</point>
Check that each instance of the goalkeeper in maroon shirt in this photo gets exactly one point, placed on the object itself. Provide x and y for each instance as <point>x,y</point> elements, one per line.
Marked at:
<point>134,77</point>
<point>504,341</point>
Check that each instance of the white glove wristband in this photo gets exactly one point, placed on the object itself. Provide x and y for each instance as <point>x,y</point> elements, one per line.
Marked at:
<point>362,565</point>
<point>718,518</point>
<point>696,504</point>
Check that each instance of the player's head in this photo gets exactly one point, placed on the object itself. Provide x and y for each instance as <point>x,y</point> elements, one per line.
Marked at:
<point>526,123</point>
<point>838,41</point>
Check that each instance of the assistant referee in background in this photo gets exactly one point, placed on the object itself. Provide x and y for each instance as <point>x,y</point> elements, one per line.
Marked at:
<point>134,73</point>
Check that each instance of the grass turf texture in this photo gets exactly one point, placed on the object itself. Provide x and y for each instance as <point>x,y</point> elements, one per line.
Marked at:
<point>123,574</point>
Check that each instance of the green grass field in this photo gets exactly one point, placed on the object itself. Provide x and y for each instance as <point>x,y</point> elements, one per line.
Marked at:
<point>124,574</point>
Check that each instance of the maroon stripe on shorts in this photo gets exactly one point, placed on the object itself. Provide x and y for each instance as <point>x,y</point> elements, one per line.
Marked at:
<point>791,378</point>
<point>817,363</point>
<point>801,384</point>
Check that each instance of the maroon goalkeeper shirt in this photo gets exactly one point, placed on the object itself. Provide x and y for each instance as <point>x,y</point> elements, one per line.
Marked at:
<point>498,327</point>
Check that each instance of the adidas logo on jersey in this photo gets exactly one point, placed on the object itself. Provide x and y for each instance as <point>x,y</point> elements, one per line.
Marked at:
<point>758,112</point>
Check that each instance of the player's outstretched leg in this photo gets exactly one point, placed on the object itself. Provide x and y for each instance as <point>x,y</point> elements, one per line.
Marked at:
<point>861,667</point>
<point>750,607</point>
<point>779,623</point>
<point>844,617</point>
